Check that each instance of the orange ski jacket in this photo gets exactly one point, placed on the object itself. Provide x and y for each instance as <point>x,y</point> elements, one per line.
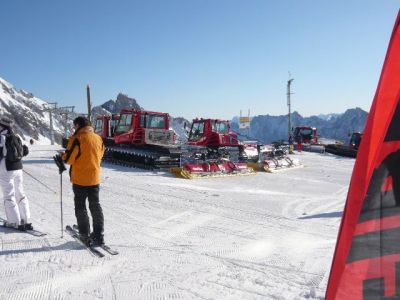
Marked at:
<point>84,152</point>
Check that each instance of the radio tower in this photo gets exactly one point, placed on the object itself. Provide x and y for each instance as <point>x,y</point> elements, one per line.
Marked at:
<point>288,104</point>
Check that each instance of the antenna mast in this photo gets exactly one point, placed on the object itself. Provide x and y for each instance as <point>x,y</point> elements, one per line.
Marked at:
<point>288,104</point>
<point>89,103</point>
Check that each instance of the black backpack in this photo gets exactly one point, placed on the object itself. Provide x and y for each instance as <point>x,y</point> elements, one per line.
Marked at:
<point>14,147</point>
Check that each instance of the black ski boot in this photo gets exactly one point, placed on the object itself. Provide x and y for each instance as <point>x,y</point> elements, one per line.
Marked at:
<point>98,240</point>
<point>28,226</point>
<point>86,240</point>
<point>24,227</point>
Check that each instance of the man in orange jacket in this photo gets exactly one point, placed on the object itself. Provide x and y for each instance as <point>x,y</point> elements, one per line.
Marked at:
<point>84,152</point>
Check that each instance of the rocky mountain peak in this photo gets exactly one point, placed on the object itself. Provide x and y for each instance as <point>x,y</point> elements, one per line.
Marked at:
<point>122,101</point>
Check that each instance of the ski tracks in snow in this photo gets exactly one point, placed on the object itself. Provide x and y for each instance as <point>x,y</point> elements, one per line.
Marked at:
<point>267,236</point>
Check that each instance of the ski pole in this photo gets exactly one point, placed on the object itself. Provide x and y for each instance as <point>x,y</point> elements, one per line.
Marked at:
<point>49,188</point>
<point>62,219</point>
<point>61,168</point>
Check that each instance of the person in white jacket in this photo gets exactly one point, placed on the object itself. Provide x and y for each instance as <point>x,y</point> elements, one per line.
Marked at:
<point>16,203</point>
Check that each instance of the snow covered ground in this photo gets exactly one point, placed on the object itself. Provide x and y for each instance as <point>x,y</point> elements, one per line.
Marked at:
<point>268,236</point>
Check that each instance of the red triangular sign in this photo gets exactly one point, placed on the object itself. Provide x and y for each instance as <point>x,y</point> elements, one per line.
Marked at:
<point>366,264</point>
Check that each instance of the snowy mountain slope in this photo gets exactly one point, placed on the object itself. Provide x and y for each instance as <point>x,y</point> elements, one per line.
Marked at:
<point>268,236</point>
<point>328,117</point>
<point>31,121</point>
<point>181,127</point>
<point>28,115</point>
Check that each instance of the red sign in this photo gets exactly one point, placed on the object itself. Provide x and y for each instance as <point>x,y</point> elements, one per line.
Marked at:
<point>366,264</point>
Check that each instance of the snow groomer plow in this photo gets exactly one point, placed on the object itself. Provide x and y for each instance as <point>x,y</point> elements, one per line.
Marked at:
<point>274,159</point>
<point>213,150</point>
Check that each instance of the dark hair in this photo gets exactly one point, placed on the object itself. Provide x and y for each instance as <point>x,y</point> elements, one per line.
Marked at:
<point>6,122</point>
<point>81,122</point>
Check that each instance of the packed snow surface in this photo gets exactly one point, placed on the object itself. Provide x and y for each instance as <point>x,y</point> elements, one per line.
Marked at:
<point>267,236</point>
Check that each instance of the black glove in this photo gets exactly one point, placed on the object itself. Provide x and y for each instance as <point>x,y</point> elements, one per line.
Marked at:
<point>25,150</point>
<point>59,162</point>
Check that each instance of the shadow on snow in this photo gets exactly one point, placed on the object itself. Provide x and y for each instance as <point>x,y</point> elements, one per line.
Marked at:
<point>70,245</point>
<point>336,214</point>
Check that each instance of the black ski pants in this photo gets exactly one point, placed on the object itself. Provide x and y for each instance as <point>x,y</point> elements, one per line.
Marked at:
<point>92,193</point>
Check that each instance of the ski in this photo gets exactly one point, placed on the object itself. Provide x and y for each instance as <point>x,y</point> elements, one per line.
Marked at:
<point>34,232</point>
<point>75,235</point>
<point>106,248</point>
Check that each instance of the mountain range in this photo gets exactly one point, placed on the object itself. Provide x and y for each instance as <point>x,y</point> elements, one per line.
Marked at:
<point>32,119</point>
<point>266,128</point>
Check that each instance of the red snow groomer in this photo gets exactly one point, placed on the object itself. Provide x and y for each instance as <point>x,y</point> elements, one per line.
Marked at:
<point>307,138</point>
<point>305,134</point>
<point>212,150</point>
<point>139,138</point>
<point>105,126</point>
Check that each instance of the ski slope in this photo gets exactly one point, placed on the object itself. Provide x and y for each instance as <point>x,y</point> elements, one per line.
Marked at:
<point>268,236</point>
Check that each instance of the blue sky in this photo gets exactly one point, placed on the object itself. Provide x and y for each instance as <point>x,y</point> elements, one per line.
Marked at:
<point>206,58</point>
